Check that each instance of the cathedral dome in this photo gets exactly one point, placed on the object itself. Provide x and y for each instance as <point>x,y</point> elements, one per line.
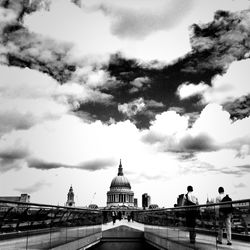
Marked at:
<point>120,193</point>
<point>120,181</point>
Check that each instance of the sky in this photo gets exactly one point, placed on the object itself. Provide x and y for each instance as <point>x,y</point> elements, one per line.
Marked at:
<point>162,85</point>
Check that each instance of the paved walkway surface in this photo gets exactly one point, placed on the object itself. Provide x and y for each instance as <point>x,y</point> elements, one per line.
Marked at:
<point>203,241</point>
<point>118,223</point>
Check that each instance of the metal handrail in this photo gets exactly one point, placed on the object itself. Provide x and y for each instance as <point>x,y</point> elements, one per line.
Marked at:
<point>47,206</point>
<point>197,206</point>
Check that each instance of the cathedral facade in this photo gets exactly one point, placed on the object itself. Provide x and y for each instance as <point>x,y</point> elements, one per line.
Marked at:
<point>120,193</point>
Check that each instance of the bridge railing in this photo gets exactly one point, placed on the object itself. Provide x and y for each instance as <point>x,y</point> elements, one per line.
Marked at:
<point>45,225</point>
<point>175,223</point>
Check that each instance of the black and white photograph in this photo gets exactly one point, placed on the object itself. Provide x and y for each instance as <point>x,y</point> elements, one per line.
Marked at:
<point>124,124</point>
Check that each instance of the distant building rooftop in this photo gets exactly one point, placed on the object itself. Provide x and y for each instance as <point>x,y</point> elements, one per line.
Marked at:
<point>21,198</point>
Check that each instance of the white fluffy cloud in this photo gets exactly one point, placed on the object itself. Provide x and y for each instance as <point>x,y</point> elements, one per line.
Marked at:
<point>187,90</point>
<point>136,20</point>
<point>29,97</point>
<point>26,98</point>
<point>71,143</point>
<point>213,130</point>
<point>230,86</point>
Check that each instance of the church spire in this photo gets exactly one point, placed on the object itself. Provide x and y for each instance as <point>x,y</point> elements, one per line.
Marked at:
<point>120,169</point>
<point>70,197</point>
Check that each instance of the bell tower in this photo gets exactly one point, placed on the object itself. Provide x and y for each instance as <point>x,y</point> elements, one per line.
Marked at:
<point>70,199</point>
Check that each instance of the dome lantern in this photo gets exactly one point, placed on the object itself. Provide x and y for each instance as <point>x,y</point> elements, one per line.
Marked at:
<point>120,169</point>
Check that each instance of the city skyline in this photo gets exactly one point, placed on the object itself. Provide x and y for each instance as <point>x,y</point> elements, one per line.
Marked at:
<point>163,86</point>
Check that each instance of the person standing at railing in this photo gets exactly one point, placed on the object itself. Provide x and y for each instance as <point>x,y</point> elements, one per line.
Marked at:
<point>225,216</point>
<point>191,213</point>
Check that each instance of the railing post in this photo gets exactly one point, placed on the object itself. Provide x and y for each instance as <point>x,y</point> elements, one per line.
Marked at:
<point>27,237</point>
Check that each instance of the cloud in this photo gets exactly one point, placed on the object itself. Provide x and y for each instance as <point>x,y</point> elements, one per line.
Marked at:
<point>229,87</point>
<point>29,97</point>
<point>136,20</point>
<point>132,108</point>
<point>123,80</point>
<point>201,142</point>
<point>139,83</point>
<point>239,108</point>
<point>187,90</point>
<point>171,132</point>
<point>33,188</point>
<point>240,185</point>
<point>83,28</point>
<point>22,48</point>
<point>68,142</point>
<point>224,40</point>
<point>7,164</point>
<point>91,165</point>
<point>140,110</point>
<point>13,151</point>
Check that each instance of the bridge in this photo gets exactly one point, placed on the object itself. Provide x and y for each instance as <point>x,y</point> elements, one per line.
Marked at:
<point>42,226</point>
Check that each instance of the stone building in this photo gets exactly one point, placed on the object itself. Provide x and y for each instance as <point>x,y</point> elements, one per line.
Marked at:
<point>70,198</point>
<point>120,193</point>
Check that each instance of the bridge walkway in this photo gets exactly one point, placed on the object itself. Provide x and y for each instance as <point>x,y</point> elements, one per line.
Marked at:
<point>154,234</point>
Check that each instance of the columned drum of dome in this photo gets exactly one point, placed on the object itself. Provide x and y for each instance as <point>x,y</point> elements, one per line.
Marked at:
<point>120,193</point>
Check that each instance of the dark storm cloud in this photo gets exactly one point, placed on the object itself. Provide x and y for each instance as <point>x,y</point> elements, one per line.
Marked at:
<point>214,46</point>
<point>32,188</point>
<point>22,48</point>
<point>239,108</point>
<point>226,39</point>
<point>161,86</point>
<point>92,165</point>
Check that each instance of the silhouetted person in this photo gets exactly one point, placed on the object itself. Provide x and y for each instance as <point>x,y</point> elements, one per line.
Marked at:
<point>129,217</point>
<point>225,215</point>
<point>119,215</point>
<point>132,216</point>
<point>113,217</point>
<point>191,213</point>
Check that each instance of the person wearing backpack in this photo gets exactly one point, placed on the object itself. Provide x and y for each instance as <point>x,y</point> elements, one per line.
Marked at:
<point>225,216</point>
<point>191,213</point>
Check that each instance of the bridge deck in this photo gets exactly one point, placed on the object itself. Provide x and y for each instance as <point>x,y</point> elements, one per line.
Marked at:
<point>170,234</point>
<point>182,236</point>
